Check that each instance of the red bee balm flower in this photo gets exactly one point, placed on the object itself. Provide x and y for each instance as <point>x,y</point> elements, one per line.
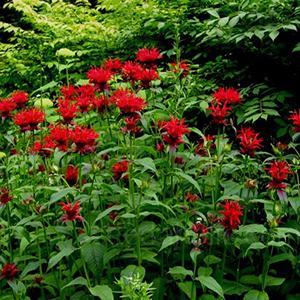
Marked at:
<point>199,228</point>
<point>148,56</point>
<point>227,95</point>
<point>119,169</point>
<point>114,65</point>
<point>67,110</point>
<point>99,77</point>
<point>131,71</point>
<point>219,112</point>
<point>182,67</point>
<point>6,107</point>
<point>146,76</point>
<point>173,131</point>
<point>129,103</point>
<point>231,212</point>
<point>72,212</point>
<point>295,118</point>
<point>84,139</point>
<point>71,175</point>
<point>9,271</point>
<point>60,136</point>
<point>279,171</point>
<point>69,92</point>
<point>101,103</point>
<point>5,197</point>
<point>191,197</point>
<point>249,141</point>
<point>132,124</point>
<point>20,98</point>
<point>28,120</point>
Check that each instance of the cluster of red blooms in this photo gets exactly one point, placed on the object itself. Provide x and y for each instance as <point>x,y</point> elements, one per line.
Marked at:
<point>232,213</point>
<point>71,175</point>
<point>279,171</point>
<point>71,212</point>
<point>190,197</point>
<point>120,170</point>
<point>9,271</point>
<point>172,131</point>
<point>5,196</point>
<point>17,100</point>
<point>221,105</point>
<point>201,230</point>
<point>249,141</point>
<point>83,139</point>
<point>295,118</point>
<point>29,119</point>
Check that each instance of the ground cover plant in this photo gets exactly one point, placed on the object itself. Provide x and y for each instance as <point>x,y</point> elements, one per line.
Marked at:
<point>131,184</point>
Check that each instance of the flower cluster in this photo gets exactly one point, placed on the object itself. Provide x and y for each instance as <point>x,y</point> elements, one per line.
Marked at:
<point>232,213</point>
<point>172,131</point>
<point>249,141</point>
<point>29,119</point>
<point>279,171</point>
<point>295,118</point>
<point>5,196</point>
<point>71,212</point>
<point>9,271</point>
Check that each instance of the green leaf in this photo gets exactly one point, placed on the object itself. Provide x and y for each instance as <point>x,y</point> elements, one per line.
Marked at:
<point>273,35</point>
<point>179,270</point>
<point>108,211</point>
<point>285,230</point>
<point>92,254</point>
<point>66,250</point>
<point>170,240</point>
<point>250,279</point>
<point>187,288</point>
<point>223,21</point>
<point>147,163</point>
<point>234,288</point>
<point>211,260</point>
<point>211,284</point>
<point>189,179</point>
<point>76,281</point>
<point>60,194</point>
<point>252,228</point>
<point>133,270</point>
<point>256,295</point>
<point>213,13</point>
<point>255,246</point>
<point>233,21</point>
<point>104,292</point>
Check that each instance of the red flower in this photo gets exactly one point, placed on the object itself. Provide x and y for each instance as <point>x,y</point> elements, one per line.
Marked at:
<point>119,169</point>
<point>5,197</point>
<point>114,65</point>
<point>146,76</point>
<point>72,212</point>
<point>204,144</point>
<point>148,56</point>
<point>249,141</point>
<point>131,71</point>
<point>9,271</point>
<point>28,120</point>
<point>173,131</point>
<point>60,136</point>
<point>86,91</point>
<point>71,175</point>
<point>199,228</point>
<point>100,77</point>
<point>85,104</point>
<point>101,103</point>
<point>69,92</point>
<point>279,171</point>
<point>20,98</point>
<point>67,110</point>
<point>131,124</point>
<point>160,147</point>
<point>84,139</point>
<point>44,148</point>
<point>295,118</point>
<point>231,212</point>
<point>181,67</point>
<point>219,112</point>
<point>129,103</point>
<point>227,95</point>
<point>6,107</point>
<point>191,197</point>
<point>179,160</point>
